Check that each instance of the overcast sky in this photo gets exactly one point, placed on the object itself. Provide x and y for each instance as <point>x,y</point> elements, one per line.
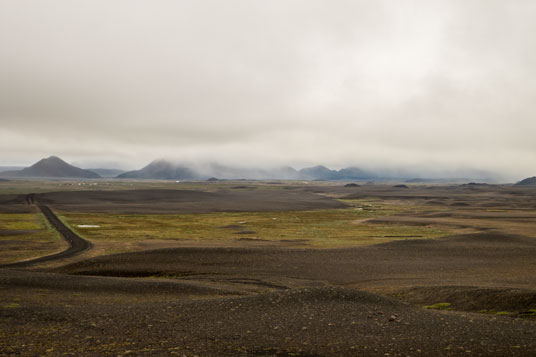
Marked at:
<point>448,84</point>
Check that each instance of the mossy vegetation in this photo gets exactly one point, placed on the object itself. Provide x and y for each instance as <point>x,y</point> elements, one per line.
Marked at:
<point>12,305</point>
<point>319,228</point>
<point>26,235</point>
<point>531,312</point>
<point>503,313</point>
<point>439,306</point>
<point>21,221</point>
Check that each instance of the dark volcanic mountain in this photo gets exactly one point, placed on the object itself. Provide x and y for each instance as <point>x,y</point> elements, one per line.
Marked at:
<point>318,173</point>
<point>354,173</point>
<point>527,182</point>
<point>323,173</point>
<point>50,167</point>
<point>251,173</point>
<point>161,170</point>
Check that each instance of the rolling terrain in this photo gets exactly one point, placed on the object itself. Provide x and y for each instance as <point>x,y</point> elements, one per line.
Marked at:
<point>468,292</point>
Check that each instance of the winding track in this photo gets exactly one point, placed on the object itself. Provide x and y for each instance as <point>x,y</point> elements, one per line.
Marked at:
<point>76,243</point>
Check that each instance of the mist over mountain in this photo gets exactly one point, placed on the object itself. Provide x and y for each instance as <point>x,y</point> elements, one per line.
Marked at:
<point>170,170</point>
<point>323,173</point>
<point>251,173</point>
<point>51,167</point>
<point>161,170</point>
<point>317,172</point>
<point>54,167</point>
<point>167,170</point>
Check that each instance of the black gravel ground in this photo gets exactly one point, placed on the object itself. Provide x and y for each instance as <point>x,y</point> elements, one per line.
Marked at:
<point>328,321</point>
<point>269,302</point>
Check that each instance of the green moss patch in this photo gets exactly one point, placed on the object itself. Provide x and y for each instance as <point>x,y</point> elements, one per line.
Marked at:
<point>319,228</point>
<point>439,306</point>
<point>12,305</point>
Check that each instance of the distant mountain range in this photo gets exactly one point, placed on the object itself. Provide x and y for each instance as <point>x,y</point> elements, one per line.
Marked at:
<point>51,167</point>
<point>54,167</point>
<point>165,170</point>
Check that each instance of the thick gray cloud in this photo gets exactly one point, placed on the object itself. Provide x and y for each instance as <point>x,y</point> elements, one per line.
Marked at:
<point>443,84</point>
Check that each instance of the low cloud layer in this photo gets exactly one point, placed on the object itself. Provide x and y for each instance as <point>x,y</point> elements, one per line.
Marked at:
<point>419,84</point>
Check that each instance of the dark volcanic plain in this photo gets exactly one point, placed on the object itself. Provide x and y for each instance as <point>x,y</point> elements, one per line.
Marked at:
<point>278,301</point>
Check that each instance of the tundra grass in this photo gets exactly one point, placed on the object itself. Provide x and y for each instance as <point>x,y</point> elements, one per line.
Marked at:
<point>319,228</point>
<point>26,235</point>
